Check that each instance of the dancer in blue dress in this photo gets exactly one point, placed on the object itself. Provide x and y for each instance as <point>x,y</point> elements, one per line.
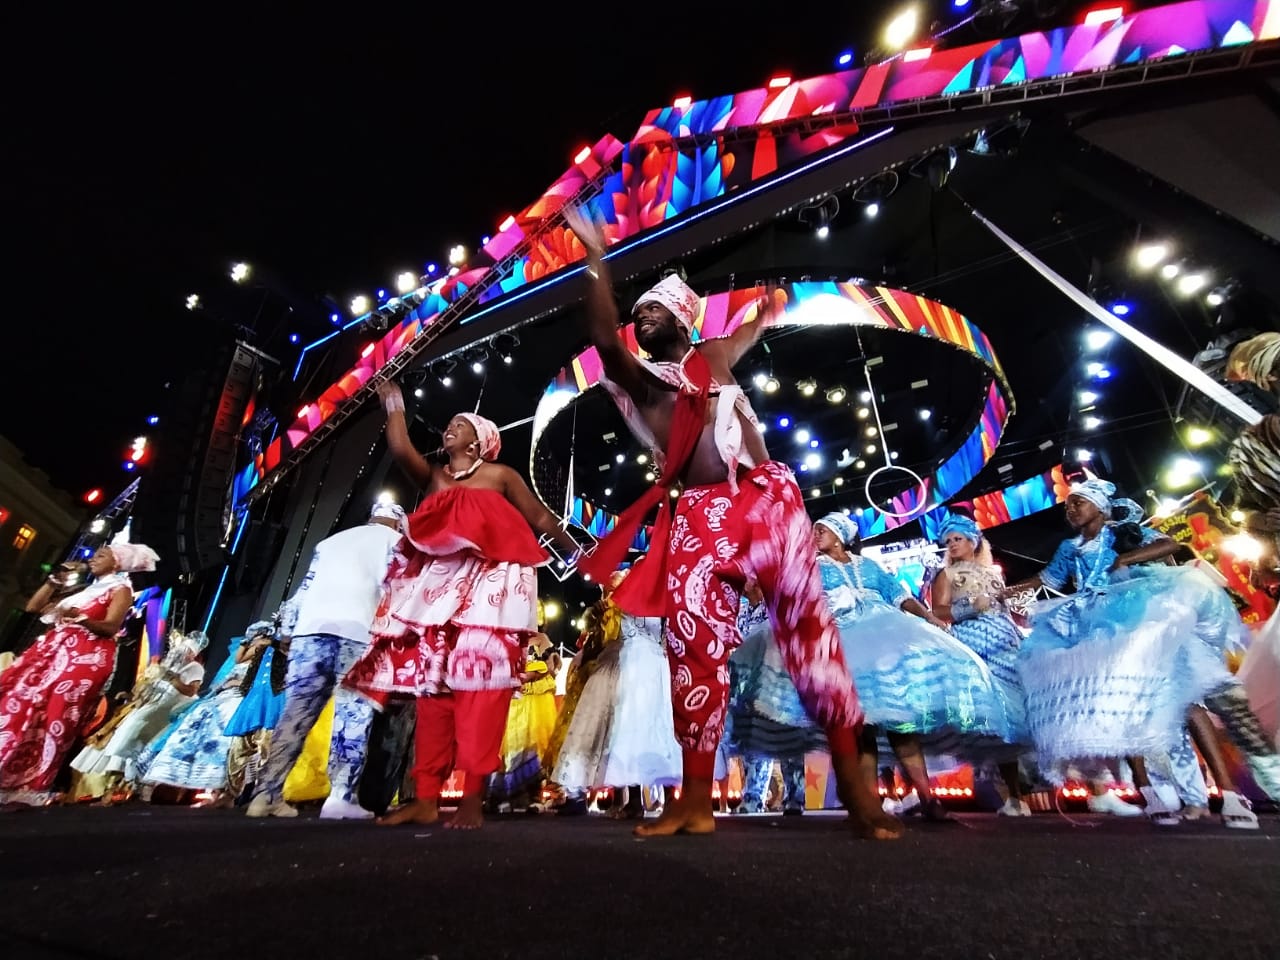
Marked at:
<point>1118,668</point>
<point>918,685</point>
<point>966,593</point>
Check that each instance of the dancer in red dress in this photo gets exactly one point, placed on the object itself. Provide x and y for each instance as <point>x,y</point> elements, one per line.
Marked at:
<point>46,692</point>
<point>739,517</point>
<point>461,601</point>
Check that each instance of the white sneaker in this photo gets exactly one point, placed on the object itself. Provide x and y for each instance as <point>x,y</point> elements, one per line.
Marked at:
<point>335,808</point>
<point>1110,803</point>
<point>1157,811</point>
<point>261,806</point>
<point>1237,814</point>
<point>1014,808</point>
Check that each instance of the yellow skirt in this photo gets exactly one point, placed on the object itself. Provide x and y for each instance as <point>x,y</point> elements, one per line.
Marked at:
<point>309,778</point>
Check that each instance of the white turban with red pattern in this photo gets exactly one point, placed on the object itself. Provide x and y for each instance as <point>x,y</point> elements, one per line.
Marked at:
<point>486,433</point>
<point>677,296</point>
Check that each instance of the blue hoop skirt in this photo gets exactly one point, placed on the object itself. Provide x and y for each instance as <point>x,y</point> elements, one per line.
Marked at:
<point>1111,672</point>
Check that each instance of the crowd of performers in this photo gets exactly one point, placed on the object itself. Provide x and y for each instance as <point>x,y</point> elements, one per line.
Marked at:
<point>749,629</point>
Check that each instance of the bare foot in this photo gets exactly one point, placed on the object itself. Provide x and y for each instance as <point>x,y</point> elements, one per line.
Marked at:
<point>866,816</point>
<point>420,812</point>
<point>678,818</point>
<point>470,815</point>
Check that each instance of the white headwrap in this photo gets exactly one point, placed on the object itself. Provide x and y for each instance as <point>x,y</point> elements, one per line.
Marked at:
<point>486,433</point>
<point>1097,492</point>
<point>677,296</point>
<point>387,511</point>
<point>133,557</point>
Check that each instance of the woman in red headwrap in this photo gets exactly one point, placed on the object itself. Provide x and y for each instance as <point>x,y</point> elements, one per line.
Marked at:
<point>47,691</point>
<point>460,604</point>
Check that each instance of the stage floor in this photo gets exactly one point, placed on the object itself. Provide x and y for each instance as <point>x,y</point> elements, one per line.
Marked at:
<point>167,883</point>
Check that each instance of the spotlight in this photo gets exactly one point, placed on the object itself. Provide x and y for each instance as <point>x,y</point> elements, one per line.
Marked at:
<point>1121,309</point>
<point>821,214</point>
<point>359,305</point>
<point>807,388</point>
<point>863,413</point>
<point>813,460</point>
<point>1199,436</point>
<point>1088,398</point>
<point>861,464</point>
<point>802,436</point>
<point>442,369</point>
<point>504,345</point>
<point>865,396</point>
<point>406,282</point>
<point>1214,298</point>
<point>1091,423</point>
<point>836,395</point>
<point>1150,255</point>
<point>899,31</point>
<point>772,385</point>
<point>844,59</point>
<point>925,413</point>
<point>193,301</point>
<point>1084,456</point>
<point>936,167</point>
<point>240,272</point>
<point>457,255</point>
<point>760,379</point>
<point>1169,271</point>
<point>1191,283</point>
<point>874,191</point>
<point>1097,339</point>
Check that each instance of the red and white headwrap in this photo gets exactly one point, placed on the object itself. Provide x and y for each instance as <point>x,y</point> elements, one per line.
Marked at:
<point>677,296</point>
<point>486,433</point>
<point>133,557</point>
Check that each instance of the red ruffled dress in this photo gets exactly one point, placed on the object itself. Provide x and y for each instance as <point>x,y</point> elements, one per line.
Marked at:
<point>46,694</point>
<point>460,600</point>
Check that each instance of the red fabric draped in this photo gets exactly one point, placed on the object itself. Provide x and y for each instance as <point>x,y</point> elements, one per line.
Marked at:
<point>644,591</point>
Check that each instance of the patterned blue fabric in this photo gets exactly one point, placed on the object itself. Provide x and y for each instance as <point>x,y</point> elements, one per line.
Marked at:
<point>1088,563</point>
<point>261,706</point>
<point>317,664</point>
<point>1111,670</point>
<point>192,753</point>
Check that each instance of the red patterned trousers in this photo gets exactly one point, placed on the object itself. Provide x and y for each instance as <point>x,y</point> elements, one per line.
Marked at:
<point>719,540</point>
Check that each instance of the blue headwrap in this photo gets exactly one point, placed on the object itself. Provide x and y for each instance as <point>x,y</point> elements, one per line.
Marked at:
<point>842,526</point>
<point>258,628</point>
<point>959,523</point>
<point>1097,492</point>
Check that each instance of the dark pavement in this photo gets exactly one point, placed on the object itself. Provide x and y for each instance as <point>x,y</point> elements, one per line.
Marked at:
<point>167,883</point>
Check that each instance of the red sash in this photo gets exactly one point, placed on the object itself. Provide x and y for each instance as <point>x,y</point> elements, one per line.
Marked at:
<point>643,593</point>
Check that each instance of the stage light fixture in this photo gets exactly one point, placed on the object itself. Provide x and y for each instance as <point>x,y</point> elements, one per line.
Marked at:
<point>442,370</point>
<point>1191,283</point>
<point>1215,298</point>
<point>772,385</point>
<point>1198,436</point>
<point>935,167</point>
<point>457,255</point>
<point>813,460</point>
<point>1084,456</point>
<point>784,422</point>
<point>1121,309</point>
<point>872,210</point>
<point>1169,271</point>
<point>863,413</point>
<point>240,272</point>
<point>193,301</point>
<point>836,395</point>
<point>925,413</point>
<point>1088,398</point>
<point>1091,423</point>
<point>1097,339</point>
<point>1150,255</point>
<point>359,305</point>
<point>844,59</point>
<point>821,214</point>
<point>801,436</point>
<point>504,345</point>
<point>807,388</point>
<point>901,29</point>
<point>406,282</point>
<point>874,191</point>
<point>860,464</point>
<point>760,379</point>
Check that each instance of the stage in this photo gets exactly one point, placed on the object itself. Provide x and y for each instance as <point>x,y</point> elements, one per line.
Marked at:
<point>165,882</point>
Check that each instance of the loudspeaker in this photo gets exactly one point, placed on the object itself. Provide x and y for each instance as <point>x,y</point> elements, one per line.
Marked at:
<point>184,504</point>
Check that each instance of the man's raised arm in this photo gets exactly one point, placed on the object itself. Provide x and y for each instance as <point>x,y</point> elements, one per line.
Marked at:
<point>619,363</point>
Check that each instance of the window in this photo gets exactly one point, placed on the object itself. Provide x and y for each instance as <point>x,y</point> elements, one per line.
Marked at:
<point>25,535</point>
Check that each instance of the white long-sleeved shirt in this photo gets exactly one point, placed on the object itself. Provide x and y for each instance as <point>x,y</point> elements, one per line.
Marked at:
<point>340,592</point>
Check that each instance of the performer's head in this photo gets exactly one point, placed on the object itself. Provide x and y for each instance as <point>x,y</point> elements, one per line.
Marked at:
<point>834,531</point>
<point>963,540</point>
<point>102,562</point>
<point>472,435</point>
<point>388,514</point>
<point>1089,501</point>
<point>664,316</point>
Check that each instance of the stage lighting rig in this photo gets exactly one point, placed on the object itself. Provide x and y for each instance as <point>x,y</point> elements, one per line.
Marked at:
<point>820,214</point>
<point>504,345</point>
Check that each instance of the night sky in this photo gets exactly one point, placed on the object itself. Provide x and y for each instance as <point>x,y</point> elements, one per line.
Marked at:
<point>332,152</point>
